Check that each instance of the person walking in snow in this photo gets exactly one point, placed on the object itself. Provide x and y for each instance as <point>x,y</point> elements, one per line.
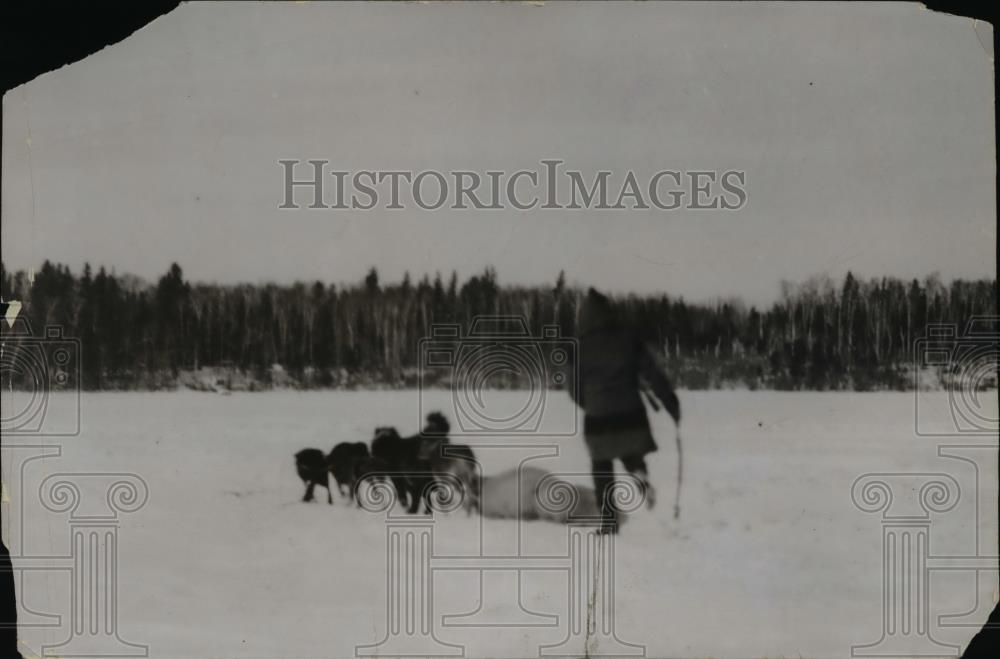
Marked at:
<point>614,367</point>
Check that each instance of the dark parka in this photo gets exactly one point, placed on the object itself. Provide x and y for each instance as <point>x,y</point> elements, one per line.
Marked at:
<point>613,366</point>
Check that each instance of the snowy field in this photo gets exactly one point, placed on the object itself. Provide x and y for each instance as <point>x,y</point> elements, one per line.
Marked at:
<point>770,556</point>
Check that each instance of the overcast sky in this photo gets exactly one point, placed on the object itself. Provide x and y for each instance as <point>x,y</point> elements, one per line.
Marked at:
<point>866,133</point>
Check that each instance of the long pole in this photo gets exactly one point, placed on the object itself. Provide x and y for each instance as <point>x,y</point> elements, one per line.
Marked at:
<point>680,475</point>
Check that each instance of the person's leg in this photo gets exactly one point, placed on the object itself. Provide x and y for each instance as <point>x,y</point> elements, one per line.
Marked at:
<point>604,475</point>
<point>636,465</point>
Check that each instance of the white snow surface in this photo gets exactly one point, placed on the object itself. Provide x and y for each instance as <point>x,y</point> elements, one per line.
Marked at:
<point>770,556</point>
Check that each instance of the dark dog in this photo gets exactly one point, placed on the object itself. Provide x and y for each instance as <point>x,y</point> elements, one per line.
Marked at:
<point>372,470</point>
<point>313,469</point>
<point>343,461</point>
<point>416,462</point>
<point>412,477</point>
<point>442,457</point>
<point>394,455</point>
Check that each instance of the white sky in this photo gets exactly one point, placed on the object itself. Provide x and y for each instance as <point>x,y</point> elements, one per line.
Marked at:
<point>866,133</point>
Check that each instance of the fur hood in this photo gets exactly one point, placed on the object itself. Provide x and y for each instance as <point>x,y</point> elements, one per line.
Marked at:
<point>597,314</point>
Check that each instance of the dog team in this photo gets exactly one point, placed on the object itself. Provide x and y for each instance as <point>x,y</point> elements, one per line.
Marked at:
<point>414,465</point>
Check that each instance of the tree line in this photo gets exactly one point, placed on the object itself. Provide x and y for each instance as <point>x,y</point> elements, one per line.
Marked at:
<point>820,334</point>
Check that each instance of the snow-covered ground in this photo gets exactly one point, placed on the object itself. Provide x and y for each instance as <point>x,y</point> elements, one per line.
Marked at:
<point>769,557</point>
